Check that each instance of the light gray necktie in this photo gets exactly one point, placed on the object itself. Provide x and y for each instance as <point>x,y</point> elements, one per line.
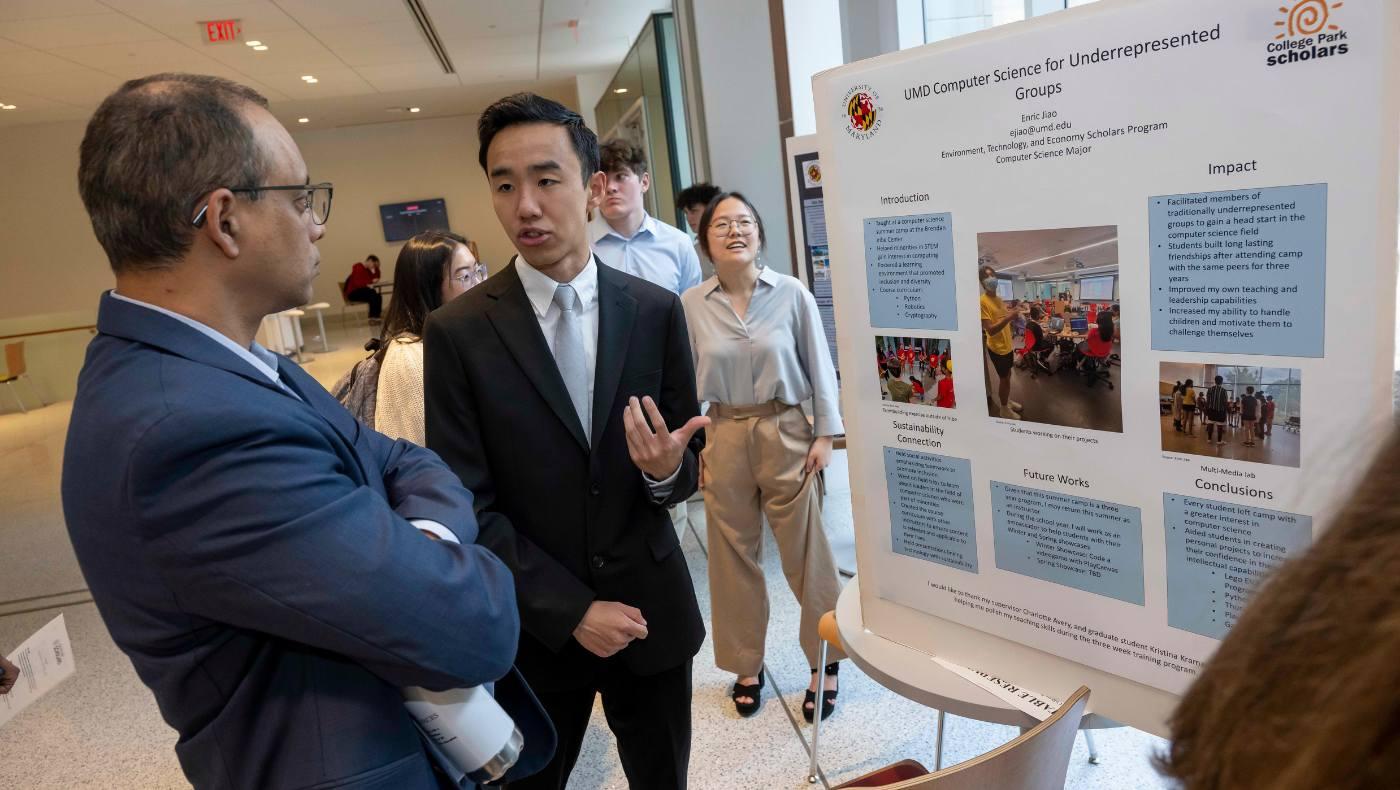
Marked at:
<point>569,355</point>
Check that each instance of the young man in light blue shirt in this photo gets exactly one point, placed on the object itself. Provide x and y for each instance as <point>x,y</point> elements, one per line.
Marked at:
<point>628,238</point>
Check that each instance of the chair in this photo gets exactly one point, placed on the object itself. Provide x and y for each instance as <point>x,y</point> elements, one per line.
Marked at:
<point>15,369</point>
<point>319,307</point>
<point>1037,760</point>
<point>346,304</point>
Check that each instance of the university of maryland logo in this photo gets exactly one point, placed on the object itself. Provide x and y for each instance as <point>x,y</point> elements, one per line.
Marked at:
<point>863,112</point>
<point>1307,30</point>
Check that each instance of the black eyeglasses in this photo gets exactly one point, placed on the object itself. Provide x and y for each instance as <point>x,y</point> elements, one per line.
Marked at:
<point>317,200</point>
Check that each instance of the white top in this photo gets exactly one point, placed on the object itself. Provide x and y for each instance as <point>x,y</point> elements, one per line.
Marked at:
<point>398,404</point>
<point>657,253</point>
<point>777,351</point>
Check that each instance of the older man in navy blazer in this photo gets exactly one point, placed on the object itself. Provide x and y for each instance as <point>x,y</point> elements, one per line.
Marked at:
<point>250,546</point>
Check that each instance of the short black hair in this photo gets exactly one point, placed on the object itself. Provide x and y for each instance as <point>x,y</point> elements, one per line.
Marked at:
<point>523,108</point>
<point>696,195</point>
<point>704,230</point>
<point>619,154</point>
<point>150,152</point>
<point>369,258</point>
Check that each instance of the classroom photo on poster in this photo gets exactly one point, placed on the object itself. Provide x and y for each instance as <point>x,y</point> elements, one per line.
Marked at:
<point>1231,412</point>
<point>916,370</point>
<point>1050,319</point>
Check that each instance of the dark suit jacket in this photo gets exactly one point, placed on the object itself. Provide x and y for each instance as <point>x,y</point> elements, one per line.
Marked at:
<point>250,553</point>
<point>574,522</point>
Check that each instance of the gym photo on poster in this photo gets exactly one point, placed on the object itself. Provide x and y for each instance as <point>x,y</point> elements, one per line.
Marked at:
<point>916,370</point>
<point>1050,317</point>
<point>1254,416</point>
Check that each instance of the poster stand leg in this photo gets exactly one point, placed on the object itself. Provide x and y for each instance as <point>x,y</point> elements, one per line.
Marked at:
<point>938,744</point>
<point>1093,748</point>
<point>817,718</point>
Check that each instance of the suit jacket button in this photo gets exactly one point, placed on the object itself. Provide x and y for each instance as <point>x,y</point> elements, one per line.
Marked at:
<point>598,561</point>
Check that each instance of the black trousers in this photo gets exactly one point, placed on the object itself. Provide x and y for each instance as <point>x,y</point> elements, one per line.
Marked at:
<point>373,298</point>
<point>649,715</point>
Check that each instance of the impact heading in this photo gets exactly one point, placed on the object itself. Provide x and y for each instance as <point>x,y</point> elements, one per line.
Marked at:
<point>1074,60</point>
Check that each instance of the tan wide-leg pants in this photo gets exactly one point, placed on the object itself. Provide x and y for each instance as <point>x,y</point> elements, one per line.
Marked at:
<point>753,468</point>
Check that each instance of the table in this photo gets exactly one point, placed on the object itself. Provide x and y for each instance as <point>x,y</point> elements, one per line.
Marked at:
<point>384,286</point>
<point>915,675</point>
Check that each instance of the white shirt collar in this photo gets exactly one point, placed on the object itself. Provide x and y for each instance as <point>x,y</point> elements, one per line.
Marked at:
<point>765,275</point>
<point>604,229</point>
<point>261,359</point>
<point>540,288</point>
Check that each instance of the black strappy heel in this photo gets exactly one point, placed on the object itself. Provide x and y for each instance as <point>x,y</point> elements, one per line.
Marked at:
<point>751,690</point>
<point>809,703</point>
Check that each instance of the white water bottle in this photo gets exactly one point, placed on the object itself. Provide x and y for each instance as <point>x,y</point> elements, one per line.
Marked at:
<point>471,731</point>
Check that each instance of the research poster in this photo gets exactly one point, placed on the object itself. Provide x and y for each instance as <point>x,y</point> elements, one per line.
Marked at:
<point>808,205</point>
<point>1119,283</point>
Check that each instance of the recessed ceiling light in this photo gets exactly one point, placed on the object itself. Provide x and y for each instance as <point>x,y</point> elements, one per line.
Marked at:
<point>414,109</point>
<point>303,120</point>
<point>7,106</point>
<point>308,78</point>
<point>252,43</point>
<point>260,48</point>
<point>619,90</point>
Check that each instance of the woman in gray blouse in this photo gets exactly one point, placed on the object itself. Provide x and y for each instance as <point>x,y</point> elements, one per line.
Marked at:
<point>760,351</point>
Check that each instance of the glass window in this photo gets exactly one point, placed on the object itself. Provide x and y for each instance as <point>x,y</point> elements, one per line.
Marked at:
<point>948,18</point>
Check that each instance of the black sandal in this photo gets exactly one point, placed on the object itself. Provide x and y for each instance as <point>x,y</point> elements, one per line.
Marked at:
<point>809,703</point>
<point>751,690</point>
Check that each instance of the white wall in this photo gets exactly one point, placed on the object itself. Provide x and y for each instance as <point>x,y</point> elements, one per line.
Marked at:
<point>734,52</point>
<point>813,38</point>
<point>392,163</point>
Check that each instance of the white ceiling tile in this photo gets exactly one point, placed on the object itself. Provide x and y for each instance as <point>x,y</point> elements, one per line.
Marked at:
<point>315,14</point>
<point>398,41</point>
<point>408,76</point>
<point>22,61</point>
<point>292,51</point>
<point>86,88</point>
<point>331,82</point>
<point>138,59</point>
<point>182,19</point>
<point>40,9</point>
<point>78,31</point>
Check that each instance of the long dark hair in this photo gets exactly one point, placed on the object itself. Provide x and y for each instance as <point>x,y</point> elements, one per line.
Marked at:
<point>1106,326</point>
<point>423,262</point>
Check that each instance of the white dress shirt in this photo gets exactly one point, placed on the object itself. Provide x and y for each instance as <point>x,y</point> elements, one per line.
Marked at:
<point>539,289</point>
<point>657,253</point>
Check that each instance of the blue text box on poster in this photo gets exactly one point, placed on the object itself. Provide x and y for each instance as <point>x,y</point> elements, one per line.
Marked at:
<point>931,508</point>
<point>909,271</point>
<point>1069,540</point>
<point>1216,552</point>
<point>1241,271</point>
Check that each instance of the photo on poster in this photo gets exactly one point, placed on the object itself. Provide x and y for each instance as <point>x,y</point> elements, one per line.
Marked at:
<point>916,370</point>
<point>1050,317</point>
<point>1254,417</point>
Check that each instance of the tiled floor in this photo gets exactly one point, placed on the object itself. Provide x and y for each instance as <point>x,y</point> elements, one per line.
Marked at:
<point>102,729</point>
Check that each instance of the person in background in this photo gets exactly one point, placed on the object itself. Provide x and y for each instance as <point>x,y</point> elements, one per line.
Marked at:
<point>760,351</point>
<point>434,267</point>
<point>1217,411</point>
<point>357,286</point>
<point>630,239</point>
<point>996,332</point>
<point>1249,415</point>
<point>900,390</point>
<point>946,398</point>
<point>691,202</point>
<point>1304,690</point>
<point>1188,408</point>
<point>1268,416</point>
<point>1177,412</point>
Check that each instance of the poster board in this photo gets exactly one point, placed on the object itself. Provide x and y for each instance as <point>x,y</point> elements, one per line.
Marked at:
<point>1207,156</point>
<point>804,174</point>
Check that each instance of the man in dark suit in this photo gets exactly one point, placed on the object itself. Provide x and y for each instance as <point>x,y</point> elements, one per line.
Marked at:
<point>550,389</point>
<point>250,546</point>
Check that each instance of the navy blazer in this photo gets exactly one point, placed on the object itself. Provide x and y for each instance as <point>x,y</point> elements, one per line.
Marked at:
<point>249,550</point>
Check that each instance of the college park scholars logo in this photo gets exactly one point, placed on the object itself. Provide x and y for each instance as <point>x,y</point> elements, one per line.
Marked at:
<point>863,112</point>
<point>1307,30</point>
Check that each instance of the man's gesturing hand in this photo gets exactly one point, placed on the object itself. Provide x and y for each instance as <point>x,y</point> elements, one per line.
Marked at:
<point>609,626</point>
<point>9,673</point>
<point>658,452</point>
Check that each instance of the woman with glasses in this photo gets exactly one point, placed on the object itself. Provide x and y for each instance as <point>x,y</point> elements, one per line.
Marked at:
<point>434,267</point>
<point>760,351</point>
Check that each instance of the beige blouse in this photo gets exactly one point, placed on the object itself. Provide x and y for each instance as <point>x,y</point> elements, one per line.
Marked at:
<point>398,409</point>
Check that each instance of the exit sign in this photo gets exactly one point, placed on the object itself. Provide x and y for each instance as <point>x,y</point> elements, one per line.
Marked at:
<point>221,31</point>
